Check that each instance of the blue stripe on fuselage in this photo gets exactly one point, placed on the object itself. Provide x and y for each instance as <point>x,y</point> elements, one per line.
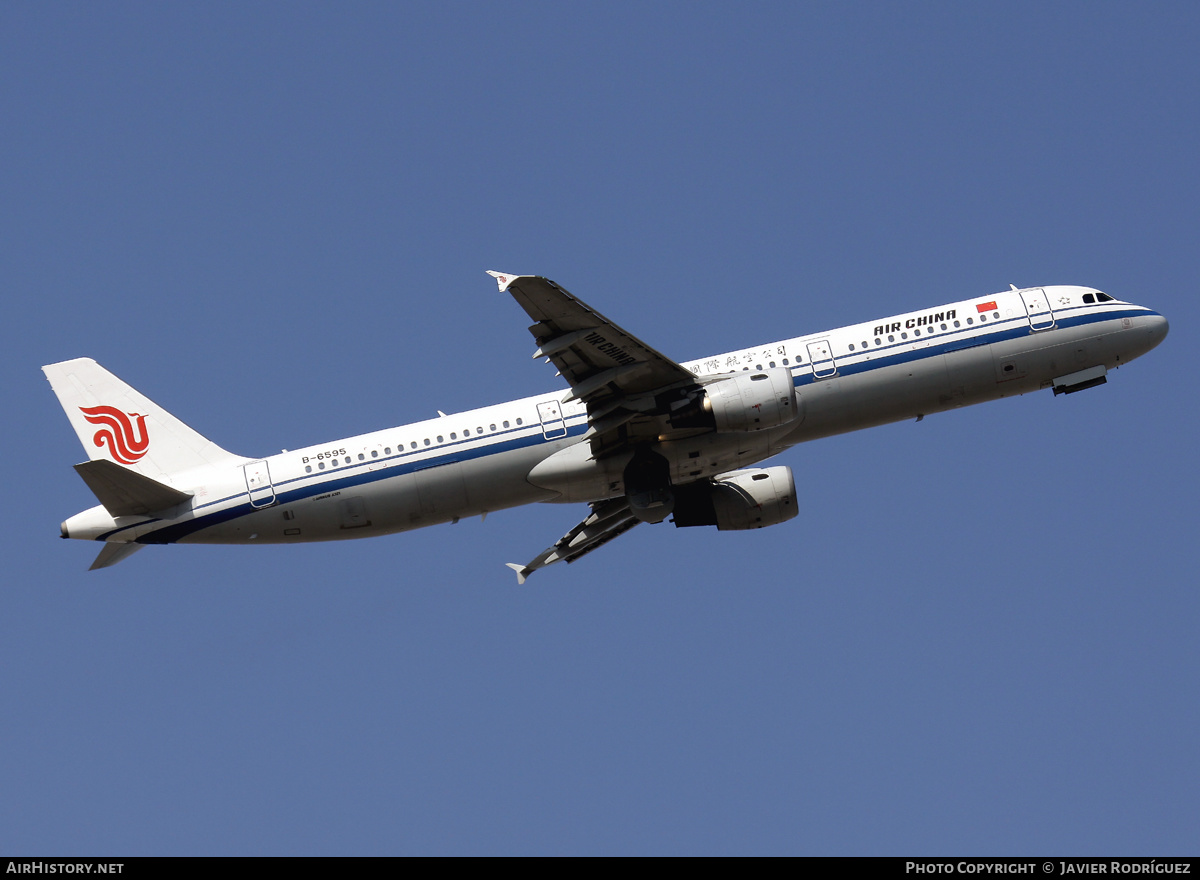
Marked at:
<point>998,331</point>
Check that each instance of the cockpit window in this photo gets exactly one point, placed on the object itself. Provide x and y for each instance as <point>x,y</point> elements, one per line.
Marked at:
<point>1104,297</point>
<point>1089,299</point>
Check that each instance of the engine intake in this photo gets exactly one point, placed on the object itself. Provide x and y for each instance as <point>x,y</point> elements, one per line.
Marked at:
<point>738,500</point>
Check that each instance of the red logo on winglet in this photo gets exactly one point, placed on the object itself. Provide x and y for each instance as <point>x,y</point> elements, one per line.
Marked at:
<point>125,443</point>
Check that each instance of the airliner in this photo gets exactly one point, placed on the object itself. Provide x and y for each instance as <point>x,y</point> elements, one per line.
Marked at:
<point>637,436</point>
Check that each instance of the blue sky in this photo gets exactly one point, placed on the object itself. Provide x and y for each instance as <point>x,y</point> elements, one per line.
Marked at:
<point>979,636</point>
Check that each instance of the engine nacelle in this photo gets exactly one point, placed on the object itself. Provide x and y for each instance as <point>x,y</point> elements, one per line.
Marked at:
<point>749,499</point>
<point>752,401</point>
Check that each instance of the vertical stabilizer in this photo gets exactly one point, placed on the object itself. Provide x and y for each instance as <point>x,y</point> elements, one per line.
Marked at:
<point>116,423</point>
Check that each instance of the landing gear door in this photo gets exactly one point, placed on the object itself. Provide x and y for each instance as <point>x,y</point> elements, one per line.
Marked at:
<point>258,484</point>
<point>821,355</point>
<point>553,423</point>
<point>1037,306</point>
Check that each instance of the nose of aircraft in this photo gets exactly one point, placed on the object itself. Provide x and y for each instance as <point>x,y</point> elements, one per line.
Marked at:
<point>1156,329</point>
<point>1141,334</point>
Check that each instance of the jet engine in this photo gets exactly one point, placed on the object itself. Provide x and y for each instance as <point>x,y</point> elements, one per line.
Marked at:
<point>748,401</point>
<point>746,499</point>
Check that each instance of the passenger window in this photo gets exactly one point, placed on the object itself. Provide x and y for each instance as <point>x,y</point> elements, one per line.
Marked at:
<point>943,326</point>
<point>996,315</point>
<point>361,456</point>
<point>891,338</point>
<point>426,441</point>
<point>982,318</point>
<point>441,439</point>
<point>519,422</point>
<point>308,469</point>
<point>970,320</point>
<point>956,324</point>
<point>491,427</point>
<point>453,436</point>
<point>387,450</point>
<point>479,430</point>
<point>506,424</point>
<point>904,336</point>
<point>851,348</point>
<point>321,465</point>
<point>374,453</point>
<point>878,341</point>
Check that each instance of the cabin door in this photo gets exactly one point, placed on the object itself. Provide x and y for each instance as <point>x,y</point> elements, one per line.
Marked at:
<point>1037,306</point>
<point>258,484</point>
<point>821,355</point>
<point>553,424</point>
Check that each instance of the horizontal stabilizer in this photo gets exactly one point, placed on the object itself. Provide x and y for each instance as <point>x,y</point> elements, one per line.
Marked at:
<point>114,553</point>
<point>127,493</point>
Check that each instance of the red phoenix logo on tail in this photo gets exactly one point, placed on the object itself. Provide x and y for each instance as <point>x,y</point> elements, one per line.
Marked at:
<point>117,432</point>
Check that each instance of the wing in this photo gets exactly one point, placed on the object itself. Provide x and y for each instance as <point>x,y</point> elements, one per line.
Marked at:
<point>621,379</point>
<point>629,388</point>
<point>608,520</point>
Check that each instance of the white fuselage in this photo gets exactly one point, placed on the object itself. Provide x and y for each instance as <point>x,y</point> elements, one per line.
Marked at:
<point>471,463</point>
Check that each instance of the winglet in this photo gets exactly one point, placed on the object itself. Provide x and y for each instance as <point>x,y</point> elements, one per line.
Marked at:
<point>503,279</point>
<point>520,570</point>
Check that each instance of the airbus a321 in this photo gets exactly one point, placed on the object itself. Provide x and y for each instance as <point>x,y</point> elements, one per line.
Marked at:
<point>638,437</point>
